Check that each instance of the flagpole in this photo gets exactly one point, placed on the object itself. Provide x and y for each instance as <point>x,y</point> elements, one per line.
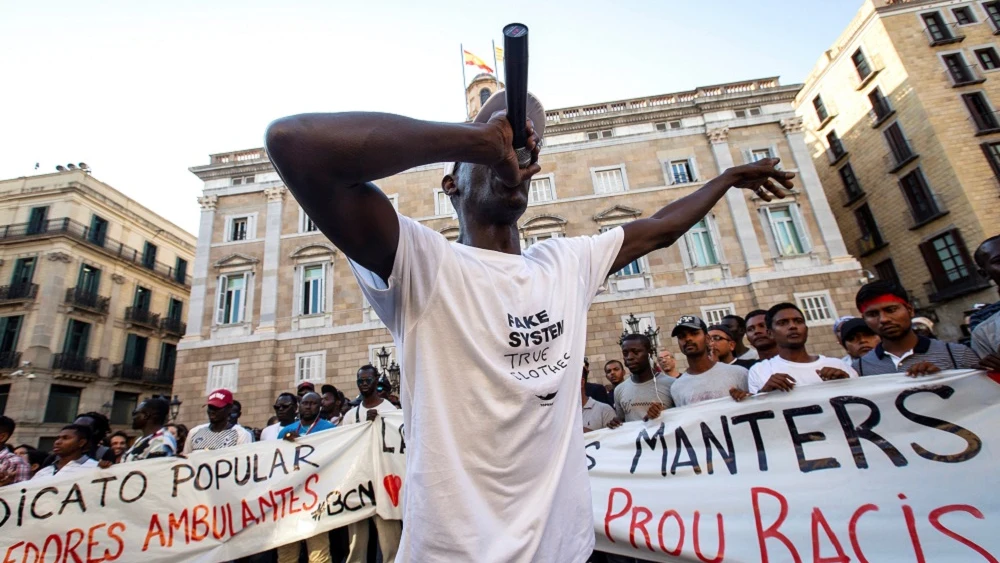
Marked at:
<point>464,86</point>
<point>496,67</point>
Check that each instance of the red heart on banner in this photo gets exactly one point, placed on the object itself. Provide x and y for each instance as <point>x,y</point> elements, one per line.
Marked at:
<point>392,484</point>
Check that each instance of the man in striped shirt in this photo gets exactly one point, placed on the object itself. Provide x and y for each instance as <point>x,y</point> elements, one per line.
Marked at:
<point>886,308</point>
<point>218,433</point>
<point>13,469</point>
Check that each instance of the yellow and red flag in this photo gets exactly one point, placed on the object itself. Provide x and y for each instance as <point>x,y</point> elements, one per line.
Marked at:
<point>473,60</point>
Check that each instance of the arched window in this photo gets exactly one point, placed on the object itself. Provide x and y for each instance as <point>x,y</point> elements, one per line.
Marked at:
<point>484,95</point>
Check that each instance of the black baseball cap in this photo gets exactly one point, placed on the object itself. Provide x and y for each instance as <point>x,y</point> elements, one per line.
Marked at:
<point>850,327</point>
<point>689,321</point>
<point>723,329</point>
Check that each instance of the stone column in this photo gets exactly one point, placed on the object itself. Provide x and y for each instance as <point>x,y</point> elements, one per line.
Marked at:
<point>199,274</point>
<point>828,228</point>
<point>737,203</point>
<point>272,250</point>
<point>104,353</point>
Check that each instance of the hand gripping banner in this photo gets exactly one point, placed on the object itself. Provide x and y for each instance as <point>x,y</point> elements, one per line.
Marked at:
<point>884,468</point>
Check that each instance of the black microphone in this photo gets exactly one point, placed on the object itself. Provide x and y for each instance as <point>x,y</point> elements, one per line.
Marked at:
<point>515,66</point>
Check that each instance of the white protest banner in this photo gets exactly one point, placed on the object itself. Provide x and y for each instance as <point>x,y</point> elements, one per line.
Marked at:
<point>883,468</point>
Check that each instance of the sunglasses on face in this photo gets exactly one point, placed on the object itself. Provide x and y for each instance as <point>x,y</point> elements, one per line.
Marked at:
<point>366,380</point>
<point>720,339</point>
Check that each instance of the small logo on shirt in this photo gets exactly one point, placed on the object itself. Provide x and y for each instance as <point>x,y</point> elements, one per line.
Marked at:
<point>547,399</point>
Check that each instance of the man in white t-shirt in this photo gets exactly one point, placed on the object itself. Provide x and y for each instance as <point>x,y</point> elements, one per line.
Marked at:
<point>794,365</point>
<point>490,339</point>
<point>70,448</point>
<point>219,432</point>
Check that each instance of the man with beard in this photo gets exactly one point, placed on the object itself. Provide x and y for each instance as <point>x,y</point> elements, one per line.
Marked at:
<point>643,395</point>
<point>218,433</point>
<point>759,336</point>
<point>737,326</point>
<point>614,371</point>
<point>793,365</point>
<point>705,378</point>
<point>886,308</point>
<point>857,338</point>
<point>329,409</point>
<point>667,363</point>
<point>286,408</point>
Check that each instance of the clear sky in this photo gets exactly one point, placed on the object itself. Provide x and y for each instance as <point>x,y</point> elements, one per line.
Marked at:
<point>141,91</point>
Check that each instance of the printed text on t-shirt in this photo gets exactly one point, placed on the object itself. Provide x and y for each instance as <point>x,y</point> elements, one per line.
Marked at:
<point>534,337</point>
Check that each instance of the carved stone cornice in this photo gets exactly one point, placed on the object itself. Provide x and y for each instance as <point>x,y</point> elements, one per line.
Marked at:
<point>60,257</point>
<point>208,201</point>
<point>118,279</point>
<point>791,125</point>
<point>277,193</point>
<point>720,135</point>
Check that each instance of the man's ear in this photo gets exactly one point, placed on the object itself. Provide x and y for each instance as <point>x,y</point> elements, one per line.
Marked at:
<point>448,185</point>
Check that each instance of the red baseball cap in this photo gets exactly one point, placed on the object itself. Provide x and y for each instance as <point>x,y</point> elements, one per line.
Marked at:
<point>220,398</point>
<point>307,385</point>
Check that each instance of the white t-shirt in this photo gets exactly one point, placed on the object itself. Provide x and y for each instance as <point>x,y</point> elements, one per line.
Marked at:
<point>750,354</point>
<point>82,464</point>
<point>271,432</point>
<point>359,413</point>
<point>203,438</point>
<point>491,348</point>
<point>803,374</point>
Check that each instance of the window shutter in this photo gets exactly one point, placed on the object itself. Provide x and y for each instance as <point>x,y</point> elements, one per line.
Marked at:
<point>934,264</point>
<point>694,169</point>
<point>774,154</point>
<point>669,167</point>
<point>747,156</point>
<point>991,159</point>
<point>800,226</point>
<point>970,266</point>
<point>775,237</point>
<point>713,229</point>
<point>220,311</point>
<point>687,253</point>
<point>243,297</point>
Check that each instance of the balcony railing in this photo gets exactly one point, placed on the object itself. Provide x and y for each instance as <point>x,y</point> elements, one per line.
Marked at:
<point>18,292</point>
<point>881,110</point>
<point>964,75</point>
<point>986,122</point>
<point>173,326</point>
<point>916,218</point>
<point>81,232</point>
<point>10,360</point>
<point>88,300</point>
<point>944,34</point>
<point>142,317</point>
<point>139,374</point>
<point>72,362</point>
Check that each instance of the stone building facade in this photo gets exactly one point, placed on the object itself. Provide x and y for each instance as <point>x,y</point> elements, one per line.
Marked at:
<point>274,303</point>
<point>901,122</point>
<point>93,311</point>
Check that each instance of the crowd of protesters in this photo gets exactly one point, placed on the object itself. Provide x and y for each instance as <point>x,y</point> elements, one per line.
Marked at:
<point>762,351</point>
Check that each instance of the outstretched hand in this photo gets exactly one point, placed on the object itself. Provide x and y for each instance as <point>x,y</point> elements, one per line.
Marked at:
<point>506,165</point>
<point>762,178</point>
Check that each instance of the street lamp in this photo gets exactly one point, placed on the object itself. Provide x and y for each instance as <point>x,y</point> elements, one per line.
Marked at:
<point>175,408</point>
<point>632,322</point>
<point>394,377</point>
<point>383,358</point>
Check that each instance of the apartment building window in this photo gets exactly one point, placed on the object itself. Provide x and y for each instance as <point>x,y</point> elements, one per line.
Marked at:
<point>232,298</point>
<point>992,152</point>
<point>88,282</point>
<point>886,271</point>
<point>682,172</point>
<point>541,189</point>
<point>24,272</point>
<point>311,367</point>
<point>122,406</point>
<point>674,124</point>
<point>817,307</point>
<point>241,180</point>
<point>983,116</point>
<point>595,135</point>
<point>180,270</point>
<point>960,72</point>
<point>713,314</point>
<point>10,330</point>
<point>936,28</point>
<point>142,299</point>
<point>63,404</point>
<point>749,112</point>
<point>757,155</point>
<point>837,149</point>
<point>38,220</point>
<point>313,289</point>
<point>175,309</point>
<point>4,395</point>
<point>609,180</point>
<point>238,228</point>
<point>851,185</point>
<point>787,230</point>
<point>993,12</point>
<point>821,113</point>
<point>135,351</point>
<point>988,58</point>
<point>442,204</point>
<point>306,225</point>
<point>898,144</point>
<point>918,196</point>
<point>870,233</point>
<point>77,339</point>
<point>947,259</point>
<point>964,15</point>
<point>701,244</point>
<point>223,375</point>
<point>168,359</point>
<point>149,255</point>
<point>861,64</point>
<point>98,231</point>
<point>880,105</point>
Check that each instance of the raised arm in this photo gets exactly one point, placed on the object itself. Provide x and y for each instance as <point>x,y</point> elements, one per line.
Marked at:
<point>328,161</point>
<point>670,223</point>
